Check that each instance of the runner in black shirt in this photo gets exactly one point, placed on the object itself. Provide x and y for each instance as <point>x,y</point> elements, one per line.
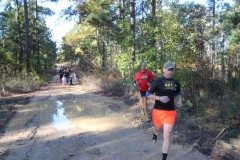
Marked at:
<point>164,114</point>
<point>165,87</point>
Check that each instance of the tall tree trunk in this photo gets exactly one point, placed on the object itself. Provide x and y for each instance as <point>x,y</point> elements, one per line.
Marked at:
<point>103,56</point>
<point>153,38</point>
<point>27,51</point>
<point>236,8</point>
<point>36,38</point>
<point>98,41</point>
<point>110,54</point>
<point>200,45</point>
<point>238,60</point>
<point>142,39</point>
<point>159,42</point>
<point>122,2</point>
<point>153,8</point>
<point>213,37</point>
<point>222,57</point>
<point>132,28</point>
<point>230,65</point>
<point>20,47</point>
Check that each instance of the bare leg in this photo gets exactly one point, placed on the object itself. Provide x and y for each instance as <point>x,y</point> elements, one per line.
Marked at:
<point>144,105</point>
<point>166,137</point>
<point>156,130</point>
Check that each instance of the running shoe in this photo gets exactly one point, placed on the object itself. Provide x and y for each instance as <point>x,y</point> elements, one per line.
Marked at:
<point>142,112</point>
<point>154,139</point>
<point>148,119</point>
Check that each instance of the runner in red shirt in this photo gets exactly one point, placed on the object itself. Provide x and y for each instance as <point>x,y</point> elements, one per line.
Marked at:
<point>143,80</point>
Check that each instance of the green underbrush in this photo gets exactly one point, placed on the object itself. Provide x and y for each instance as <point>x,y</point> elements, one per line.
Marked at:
<point>21,83</point>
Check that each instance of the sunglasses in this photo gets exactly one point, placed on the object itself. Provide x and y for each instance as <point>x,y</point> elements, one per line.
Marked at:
<point>171,69</point>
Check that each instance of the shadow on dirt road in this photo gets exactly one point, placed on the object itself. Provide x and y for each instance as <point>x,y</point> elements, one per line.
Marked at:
<point>66,122</point>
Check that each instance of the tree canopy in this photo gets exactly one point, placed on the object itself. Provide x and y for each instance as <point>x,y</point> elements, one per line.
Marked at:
<point>25,39</point>
<point>114,34</point>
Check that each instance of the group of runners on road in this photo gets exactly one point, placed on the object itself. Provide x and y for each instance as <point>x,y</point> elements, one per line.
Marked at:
<point>164,90</point>
<point>67,75</point>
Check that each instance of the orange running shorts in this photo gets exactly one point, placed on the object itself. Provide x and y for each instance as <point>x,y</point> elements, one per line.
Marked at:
<point>159,117</point>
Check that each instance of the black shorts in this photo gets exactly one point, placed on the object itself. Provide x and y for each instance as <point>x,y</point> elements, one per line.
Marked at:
<point>143,93</point>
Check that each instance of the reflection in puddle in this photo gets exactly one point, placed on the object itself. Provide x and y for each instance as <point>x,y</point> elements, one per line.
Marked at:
<point>86,115</point>
<point>69,113</point>
<point>59,120</point>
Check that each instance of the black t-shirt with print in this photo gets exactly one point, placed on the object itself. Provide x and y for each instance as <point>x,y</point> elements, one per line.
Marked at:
<point>165,87</point>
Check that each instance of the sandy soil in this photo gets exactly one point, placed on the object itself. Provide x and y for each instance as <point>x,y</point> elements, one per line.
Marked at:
<point>69,123</point>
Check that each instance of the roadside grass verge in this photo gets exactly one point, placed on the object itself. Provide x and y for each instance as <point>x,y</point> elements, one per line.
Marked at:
<point>110,84</point>
<point>209,123</point>
<point>206,121</point>
<point>21,83</point>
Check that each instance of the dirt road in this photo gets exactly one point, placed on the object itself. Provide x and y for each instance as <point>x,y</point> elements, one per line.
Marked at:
<point>67,123</point>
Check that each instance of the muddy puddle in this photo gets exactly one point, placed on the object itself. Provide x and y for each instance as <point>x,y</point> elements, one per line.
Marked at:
<point>62,115</point>
<point>82,126</point>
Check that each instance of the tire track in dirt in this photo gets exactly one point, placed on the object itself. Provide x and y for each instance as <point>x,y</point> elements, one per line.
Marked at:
<point>97,128</point>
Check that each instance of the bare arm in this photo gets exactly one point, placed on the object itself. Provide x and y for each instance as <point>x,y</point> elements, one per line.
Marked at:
<point>163,99</point>
<point>179,101</point>
<point>154,97</point>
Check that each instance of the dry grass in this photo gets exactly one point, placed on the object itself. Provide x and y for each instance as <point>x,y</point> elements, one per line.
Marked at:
<point>18,84</point>
<point>110,84</point>
<point>107,83</point>
<point>210,115</point>
<point>91,82</point>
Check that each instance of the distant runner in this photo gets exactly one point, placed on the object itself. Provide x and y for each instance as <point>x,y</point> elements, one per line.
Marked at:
<point>66,74</point>
<point>164,114</point>
<point>143,80</point>
<point>61,73</point>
